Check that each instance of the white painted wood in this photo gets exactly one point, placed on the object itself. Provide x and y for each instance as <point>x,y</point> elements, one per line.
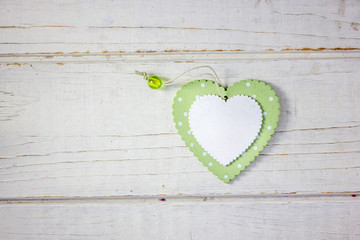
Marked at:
<point>87,149</point>
<point>209,57</point>
<point>212,219</point>
<point>96,129</point>
<point>158,25</point>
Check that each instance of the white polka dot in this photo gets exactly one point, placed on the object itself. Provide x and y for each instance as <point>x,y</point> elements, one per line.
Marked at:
<point>197,97</point>
<point>191,144</point>
<point>185,114</point>
<point>202,85</point>
<point>265,113</point>
<point>239,165</point>
<point>255,148</point>
<point>269,127</point>
<point>204,154</point>
<point>179,99</point>
<point>253,96</point>
<point>226,176</point>
<point>189,131</point>
<point>271,99</point>
<point>210,164</point>
<point>243,154</point>
<point>180,124</point>
<point>248,84</point>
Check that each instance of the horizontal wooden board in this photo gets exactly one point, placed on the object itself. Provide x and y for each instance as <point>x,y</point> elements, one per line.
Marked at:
<point>165,26</point>
<point>171,219</point>
<point>88,151</point>
<point>95,129</point>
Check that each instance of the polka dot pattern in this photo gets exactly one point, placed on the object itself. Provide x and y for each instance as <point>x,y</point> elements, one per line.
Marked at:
<point>258,90</point>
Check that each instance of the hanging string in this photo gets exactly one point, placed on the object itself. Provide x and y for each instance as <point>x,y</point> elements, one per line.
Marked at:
<point>215,78</point>
<point>144,74</point>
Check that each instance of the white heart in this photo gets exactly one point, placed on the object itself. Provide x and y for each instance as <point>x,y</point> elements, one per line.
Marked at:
<point>225,129</point>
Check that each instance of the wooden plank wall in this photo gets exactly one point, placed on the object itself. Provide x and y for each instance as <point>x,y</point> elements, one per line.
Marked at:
<point>88,151</point>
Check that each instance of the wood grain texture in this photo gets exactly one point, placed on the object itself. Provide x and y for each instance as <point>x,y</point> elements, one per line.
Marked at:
<point>167,26</point>
<point>210,219</point>
<point>96,129</point>
<point>88,151</point>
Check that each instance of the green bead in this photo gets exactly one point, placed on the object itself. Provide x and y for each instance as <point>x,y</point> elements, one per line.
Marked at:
<point>154,82</point>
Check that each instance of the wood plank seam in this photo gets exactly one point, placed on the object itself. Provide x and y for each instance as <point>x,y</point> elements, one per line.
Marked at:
<point>187,57</point>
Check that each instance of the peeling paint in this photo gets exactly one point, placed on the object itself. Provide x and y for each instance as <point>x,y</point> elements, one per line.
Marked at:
<point>320,49</point>
<point>149,51</point>
<point>110,52</point>
<point>77,54</point>
<point>17,64</point>
<point>40,26</point>
<point>342,192</point>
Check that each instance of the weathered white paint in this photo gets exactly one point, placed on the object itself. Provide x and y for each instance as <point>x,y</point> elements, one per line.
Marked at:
<point>158,25</point>
<point>77,123</point>
<point>103,132</point>
<point>195,219</point>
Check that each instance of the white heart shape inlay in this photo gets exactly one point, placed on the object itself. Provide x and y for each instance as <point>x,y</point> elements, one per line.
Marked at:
<point>225,129</point>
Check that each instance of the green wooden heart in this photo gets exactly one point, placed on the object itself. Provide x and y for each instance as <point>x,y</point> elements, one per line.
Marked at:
<point>259,91</point>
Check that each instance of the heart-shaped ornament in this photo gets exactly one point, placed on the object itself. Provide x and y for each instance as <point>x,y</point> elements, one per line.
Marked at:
<point>226,136</point>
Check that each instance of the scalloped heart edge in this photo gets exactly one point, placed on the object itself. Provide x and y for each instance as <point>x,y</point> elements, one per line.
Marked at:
<point>247,147</point>
<point>267,139</point>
